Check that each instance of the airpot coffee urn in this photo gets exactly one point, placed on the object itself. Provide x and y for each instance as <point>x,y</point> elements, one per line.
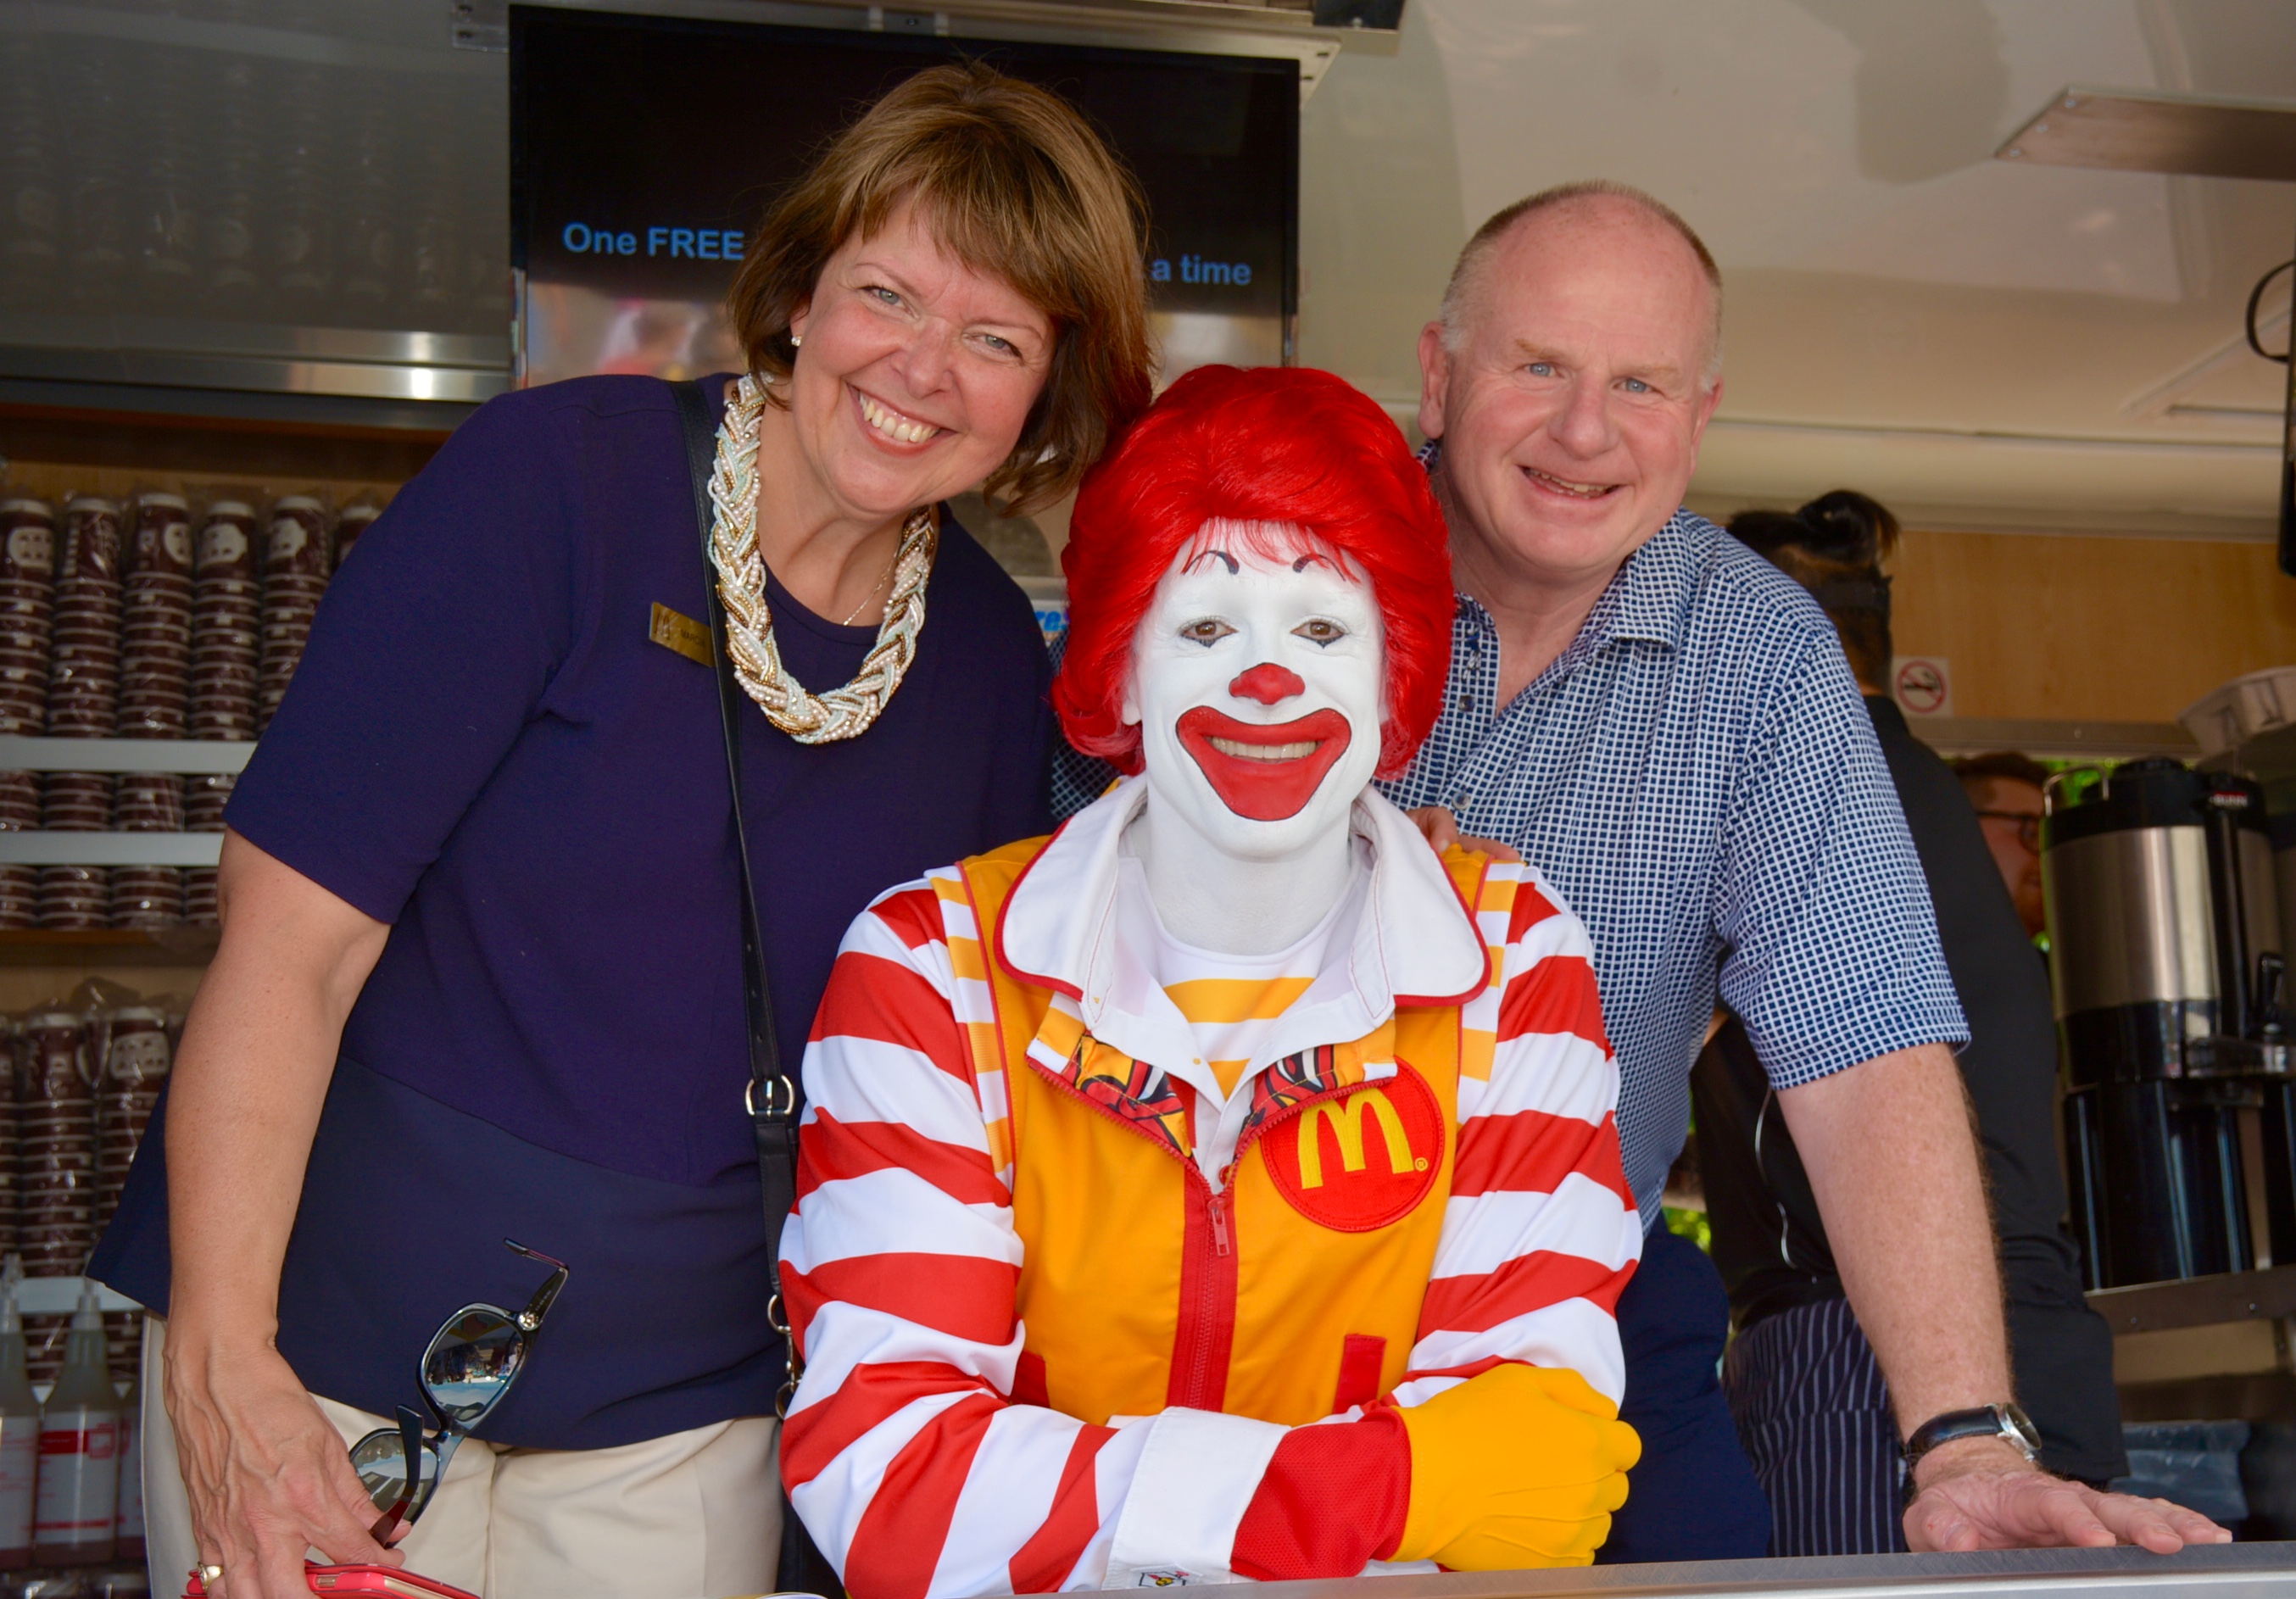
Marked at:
<point>2180,1105</point>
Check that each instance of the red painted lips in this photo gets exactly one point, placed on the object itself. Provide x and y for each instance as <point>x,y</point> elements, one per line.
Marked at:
<point>1264,787</point>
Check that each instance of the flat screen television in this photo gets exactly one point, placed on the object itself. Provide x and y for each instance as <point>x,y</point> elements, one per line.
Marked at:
<point>643,150</point>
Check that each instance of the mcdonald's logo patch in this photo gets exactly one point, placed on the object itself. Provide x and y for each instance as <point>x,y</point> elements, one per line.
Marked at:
<point>1364,1159</point>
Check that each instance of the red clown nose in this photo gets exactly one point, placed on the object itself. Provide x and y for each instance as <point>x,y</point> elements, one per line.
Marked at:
<point>1267,683</point>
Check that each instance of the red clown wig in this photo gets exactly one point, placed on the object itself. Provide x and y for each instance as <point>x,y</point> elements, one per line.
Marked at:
<point>1266,444</point>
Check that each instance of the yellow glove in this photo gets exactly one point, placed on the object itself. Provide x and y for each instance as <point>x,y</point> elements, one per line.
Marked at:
<point>1519,1467</point>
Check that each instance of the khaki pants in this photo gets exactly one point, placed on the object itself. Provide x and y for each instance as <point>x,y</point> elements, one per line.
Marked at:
<point>694,1515</point>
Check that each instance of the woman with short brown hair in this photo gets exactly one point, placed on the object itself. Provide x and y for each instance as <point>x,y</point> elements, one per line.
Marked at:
<point>481,974</point>
<point>1036,202</point>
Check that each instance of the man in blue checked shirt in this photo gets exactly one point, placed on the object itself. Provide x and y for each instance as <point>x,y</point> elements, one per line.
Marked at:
<point>1664,723</point>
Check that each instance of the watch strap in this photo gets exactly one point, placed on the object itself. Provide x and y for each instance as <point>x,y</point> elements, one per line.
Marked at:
<point>1985,1421</point>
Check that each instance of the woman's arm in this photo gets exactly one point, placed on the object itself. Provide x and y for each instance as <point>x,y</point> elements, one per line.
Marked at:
<point>267,1475</point>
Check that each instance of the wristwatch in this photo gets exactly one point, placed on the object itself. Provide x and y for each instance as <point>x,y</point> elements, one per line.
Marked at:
<point>2008,1422</point>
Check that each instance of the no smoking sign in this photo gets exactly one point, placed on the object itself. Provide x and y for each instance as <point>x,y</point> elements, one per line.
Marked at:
<point>1922,685</point>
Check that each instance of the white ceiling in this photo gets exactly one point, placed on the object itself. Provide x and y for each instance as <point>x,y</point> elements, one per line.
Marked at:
<point>1983,344</point>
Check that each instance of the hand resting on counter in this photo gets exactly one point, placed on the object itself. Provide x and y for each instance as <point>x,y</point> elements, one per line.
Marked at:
<point>1981,1494</point>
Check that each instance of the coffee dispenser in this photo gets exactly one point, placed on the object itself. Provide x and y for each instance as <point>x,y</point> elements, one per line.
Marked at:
<point>2166,952</point>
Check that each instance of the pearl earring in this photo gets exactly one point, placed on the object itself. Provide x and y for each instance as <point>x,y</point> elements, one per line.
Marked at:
<point>796,339</point>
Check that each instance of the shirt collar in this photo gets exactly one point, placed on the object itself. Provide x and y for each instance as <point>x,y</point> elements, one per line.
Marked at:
<point>1649,597</point>
<point>1403,937</point>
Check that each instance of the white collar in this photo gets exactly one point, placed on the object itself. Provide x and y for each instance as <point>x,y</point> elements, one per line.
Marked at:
<point>1403,936</point>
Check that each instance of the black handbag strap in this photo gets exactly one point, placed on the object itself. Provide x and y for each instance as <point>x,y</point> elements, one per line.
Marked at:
<point>771,1097</point>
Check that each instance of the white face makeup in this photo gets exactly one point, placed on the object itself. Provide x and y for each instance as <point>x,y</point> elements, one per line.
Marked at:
<point>1259,686</point>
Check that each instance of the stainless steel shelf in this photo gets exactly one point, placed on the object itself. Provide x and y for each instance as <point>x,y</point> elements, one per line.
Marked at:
<point>180,352</point>
<point>110,848</point>
<point>2199,1301</point>
<point>20,754</point>
<point>154,401</point>
<point>185,335</point>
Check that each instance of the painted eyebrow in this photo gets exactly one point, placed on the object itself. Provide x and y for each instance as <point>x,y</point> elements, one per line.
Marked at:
<point>1233,566</point>
<point>1302,565</point>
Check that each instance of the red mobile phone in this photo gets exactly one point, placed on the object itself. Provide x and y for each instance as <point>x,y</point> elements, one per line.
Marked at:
<point>358,1582</point>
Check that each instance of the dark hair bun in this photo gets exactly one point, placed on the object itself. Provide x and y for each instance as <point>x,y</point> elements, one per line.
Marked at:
<point>1847,527</point>
<point>1767,532</point>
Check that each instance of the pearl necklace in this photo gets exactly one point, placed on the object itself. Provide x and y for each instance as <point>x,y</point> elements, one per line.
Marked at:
<point>842,713</point>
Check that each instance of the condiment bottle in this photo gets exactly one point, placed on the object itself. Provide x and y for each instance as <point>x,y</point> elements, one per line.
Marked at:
<point>127,1543</point>
<point>20,1432</point>
<point>79,1496</point>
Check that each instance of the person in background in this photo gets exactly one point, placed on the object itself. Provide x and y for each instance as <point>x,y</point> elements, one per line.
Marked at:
<point>1810,1401</point>
<point>2005,787</point>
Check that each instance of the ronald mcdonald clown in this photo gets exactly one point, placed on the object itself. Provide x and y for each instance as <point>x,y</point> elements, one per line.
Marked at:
<point>1226,1186</point>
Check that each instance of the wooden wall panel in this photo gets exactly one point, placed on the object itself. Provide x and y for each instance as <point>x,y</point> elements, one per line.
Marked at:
<point>2059,628</point>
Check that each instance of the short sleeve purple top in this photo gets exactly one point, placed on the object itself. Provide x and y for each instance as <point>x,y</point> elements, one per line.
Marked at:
<point>485,749</point>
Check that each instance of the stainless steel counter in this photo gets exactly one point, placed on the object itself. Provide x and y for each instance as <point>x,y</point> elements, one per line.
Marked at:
<point>2218,1572</point>
<point>2199,1301</point>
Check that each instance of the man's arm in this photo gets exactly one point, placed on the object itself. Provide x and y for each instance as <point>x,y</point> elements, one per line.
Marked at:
<point>1893,1160</point>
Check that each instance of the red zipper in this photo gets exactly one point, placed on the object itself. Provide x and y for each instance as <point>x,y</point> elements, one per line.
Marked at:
<point>1203,1340</point>
<point>1205,1333</point>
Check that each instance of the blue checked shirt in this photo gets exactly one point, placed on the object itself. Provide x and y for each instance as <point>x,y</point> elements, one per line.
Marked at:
<point>1698,776</point>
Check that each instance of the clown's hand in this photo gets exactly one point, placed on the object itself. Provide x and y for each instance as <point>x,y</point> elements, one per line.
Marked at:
<point>1519,1467</point>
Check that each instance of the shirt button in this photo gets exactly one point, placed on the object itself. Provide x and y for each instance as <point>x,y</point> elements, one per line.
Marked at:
<point>1462,801</point>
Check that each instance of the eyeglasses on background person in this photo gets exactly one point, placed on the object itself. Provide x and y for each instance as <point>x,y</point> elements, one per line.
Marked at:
<point>2029,825</point>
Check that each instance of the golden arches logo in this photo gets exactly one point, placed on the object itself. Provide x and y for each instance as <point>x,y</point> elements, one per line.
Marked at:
<point>1358,1198</point>
<point>1346,1122</point>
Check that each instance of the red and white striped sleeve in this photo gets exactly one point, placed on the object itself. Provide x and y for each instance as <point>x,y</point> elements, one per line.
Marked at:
<point>1541,1233</point>
<point>904,1453</point>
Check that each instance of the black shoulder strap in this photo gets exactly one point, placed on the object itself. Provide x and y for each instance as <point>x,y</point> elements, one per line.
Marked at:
<point>772,1096</point>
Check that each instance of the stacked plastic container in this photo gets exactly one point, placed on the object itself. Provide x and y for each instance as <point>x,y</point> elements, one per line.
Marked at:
<point>296,563</point>
<point>82,702</point>
<point>205,794</point>
<point>83,668</point>
<point>155,652</point>
<point>137,1054</point>
<point>28,598</point>
<point>155,635</point>
<point>355,521</point>
<point>226,621</point>
<point>164,621</point>
<point>55,1166</point>
<point>87,1074</point>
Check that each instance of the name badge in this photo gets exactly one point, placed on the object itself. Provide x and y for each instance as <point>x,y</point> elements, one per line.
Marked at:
<point>673,630</point>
